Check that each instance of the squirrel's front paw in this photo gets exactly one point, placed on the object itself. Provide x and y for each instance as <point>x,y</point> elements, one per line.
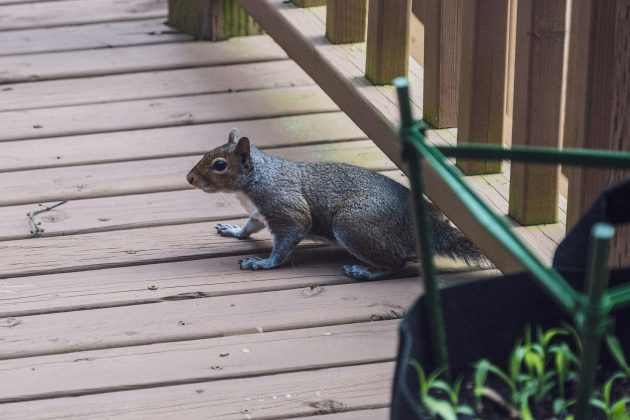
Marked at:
<point>231,231</point>
<point>254,263</point>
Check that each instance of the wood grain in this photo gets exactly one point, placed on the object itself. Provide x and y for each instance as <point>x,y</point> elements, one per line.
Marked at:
<point>387,50</point>
<point>294,394</point>
<point>346,21</point>
<point>598,103</point>
<point>153,85</point>
<point>162,112</point>
<point>88,36</point>
<point>442,49</point>
<point>174,141</point>
<point>50,14</point>
<point>539,86</point>
<point>482,102</point>
<point>134,59</point>
<point>206,318</point>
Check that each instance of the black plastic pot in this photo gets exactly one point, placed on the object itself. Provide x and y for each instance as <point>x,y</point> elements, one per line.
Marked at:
<point>483,319</point>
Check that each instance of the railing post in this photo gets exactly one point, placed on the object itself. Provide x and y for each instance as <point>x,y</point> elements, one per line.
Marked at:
<point>212,20</point>
<point>598,102</point>
<point>442,46</point>
<point>595,315</point>
<point>483,75</point>
<point>538,87</point>
<point>345,21</point>
<point>411,156</point>
<point>387,40</point>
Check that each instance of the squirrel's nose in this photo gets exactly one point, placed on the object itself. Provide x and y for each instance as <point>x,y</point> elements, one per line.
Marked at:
<point>191,178</point>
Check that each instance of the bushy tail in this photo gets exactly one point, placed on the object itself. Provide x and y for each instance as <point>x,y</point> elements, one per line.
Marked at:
<point>450,242</point>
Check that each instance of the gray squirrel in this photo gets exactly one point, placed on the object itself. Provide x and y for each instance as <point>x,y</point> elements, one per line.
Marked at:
<point>362,211</point>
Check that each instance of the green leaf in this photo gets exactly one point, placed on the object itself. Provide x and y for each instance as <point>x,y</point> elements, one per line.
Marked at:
<point>441,408</point>
<point>619,410</point>
<point>551,333</point>
<point>614,346</point>
<point>466,410</point>
<point>423,386</point>
<point>559,405</point>
<point>526,413</point>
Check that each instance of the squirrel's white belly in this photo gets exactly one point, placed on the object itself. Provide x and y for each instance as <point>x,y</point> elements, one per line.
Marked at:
<point>249,205</point>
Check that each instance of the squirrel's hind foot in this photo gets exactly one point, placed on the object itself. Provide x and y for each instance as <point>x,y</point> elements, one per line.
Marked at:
<point>362,272</point>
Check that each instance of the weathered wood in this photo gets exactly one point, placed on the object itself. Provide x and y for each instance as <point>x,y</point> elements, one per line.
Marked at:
<point>170,281</point>
<point>100,62</point>
<point>88,36</point>
<point>369,414</point>
<point>111,179</point>
<point>272,396</point>
<point>135,367</point>
<point>154,283</point>
<point>159,84</point>
<point>598,102</point>
<point>48,14</point>
<point>212,20</point>
<point>442,47</point>
<point>482,94</point>
<point>346,21</point>
<point>309,3</point>
<point>166,142</point>
<point>387,54</point>
<point>205,318</point>
<point>534,195</point>
<point>162,112</point>
<point>153,85</point>
<point>416,38</point>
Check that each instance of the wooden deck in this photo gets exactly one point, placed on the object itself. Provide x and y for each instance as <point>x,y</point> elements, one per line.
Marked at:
<point>130,305</point>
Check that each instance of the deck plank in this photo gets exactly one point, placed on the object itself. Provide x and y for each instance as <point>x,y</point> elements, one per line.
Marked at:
<point>141,284</point>
<point>98,371</point>
<point>151,85</point>
<point>90,63</point>
<point>76,12</point>
<point>155,175</point>
<point>279,396</point>
<point>163,112</point>
<point>205,318</point>
<point>174,141</point>
<point>99,36</point>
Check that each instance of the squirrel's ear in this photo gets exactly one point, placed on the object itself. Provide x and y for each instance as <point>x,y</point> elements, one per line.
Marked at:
<point>243,152</point>
<point>233,136</point>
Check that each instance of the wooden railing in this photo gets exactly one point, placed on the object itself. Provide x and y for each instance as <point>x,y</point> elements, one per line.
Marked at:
<point>495,69</point>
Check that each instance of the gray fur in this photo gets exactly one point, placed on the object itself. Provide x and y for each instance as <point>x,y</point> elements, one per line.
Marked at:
<point>363,211</point>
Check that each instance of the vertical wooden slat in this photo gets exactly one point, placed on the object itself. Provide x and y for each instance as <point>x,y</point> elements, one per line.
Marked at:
<point>309,3</point>
<point>598,101</point>
<point>212,20</point>
<point>345,21</point>
<point>482,92</point>
<point>416,31</point>
<point>540,41</point>
<point>442,45</point>
<point>387,40</point>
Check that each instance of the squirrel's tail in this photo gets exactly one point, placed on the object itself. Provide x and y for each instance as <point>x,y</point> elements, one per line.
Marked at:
<point>451,242</point>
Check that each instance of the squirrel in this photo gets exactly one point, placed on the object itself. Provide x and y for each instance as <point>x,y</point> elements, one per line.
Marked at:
<point>364,212</point>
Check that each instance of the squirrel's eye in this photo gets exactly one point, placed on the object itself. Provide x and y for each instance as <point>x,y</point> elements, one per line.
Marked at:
<point>219,165</point>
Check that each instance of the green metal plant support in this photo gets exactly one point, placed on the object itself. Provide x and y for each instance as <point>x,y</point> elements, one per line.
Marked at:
<point>590,312</point>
